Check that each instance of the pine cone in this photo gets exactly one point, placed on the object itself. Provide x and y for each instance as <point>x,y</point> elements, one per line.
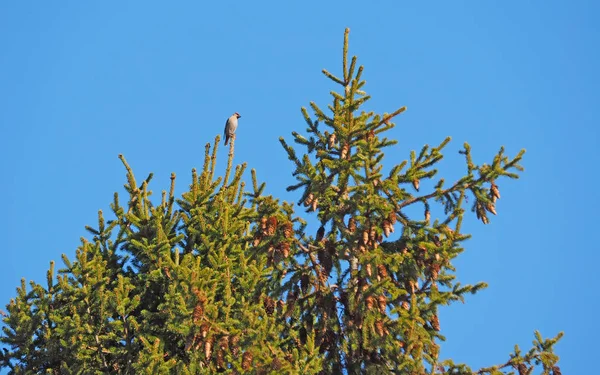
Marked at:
<point>276,364</point>
<point>224,343</point>
<point>304,283</point>
<point>320,233</point>
<point>382,302</point>
<point>382,271</point>
<point>379,328</point>
<point>522,369</point>
<point>369,270</point>
<point>416,184</point>
<point>345,151</point>
<point>208,348</point>
<point>246,361</point>
<point>409,286</point>
<point>405,305</point>
<point>288,230</point>
<point>371,135</point>
<point>556,370</point>
<point>332,139</point>
<point>435,323</point>
<point>234,342</point>
<point>257,239</point>
<point>284,248</point>
<point>315,203</point>
<point>290,302</point>
<point>372,234</point>
<point>387,228</point>
<point>220,360</point>
<point>494,190</point>
<point>490,207</point>
<point>365,237</point>
<point>204,329</point>
<point>198,312</point>
<point>325,260</point>
<point>308,200</point>
<point>392,218</point>
<point>352,225</point>
<point>435,270</point>
<point>263,223</point>
<point>269,305</point>
<point>369,301</point>
<point>271,225</point>
<point>427,215</point>
<point>189,341</point>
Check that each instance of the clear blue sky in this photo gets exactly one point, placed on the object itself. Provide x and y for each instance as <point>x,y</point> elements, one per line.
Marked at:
<point>81,82</point>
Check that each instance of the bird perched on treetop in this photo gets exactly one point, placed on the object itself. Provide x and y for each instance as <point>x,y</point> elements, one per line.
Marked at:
<point>231,126</point>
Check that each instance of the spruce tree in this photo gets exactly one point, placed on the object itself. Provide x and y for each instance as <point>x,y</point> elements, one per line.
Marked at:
<point>228,280</point>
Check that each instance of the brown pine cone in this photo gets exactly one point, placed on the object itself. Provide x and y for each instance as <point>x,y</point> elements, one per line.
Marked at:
<point>435,270</point>
<point>284,247</point>
<point>392,218</point>
<point>494,190</point>
<point>276,364</point>
<point>208,348</point>
<point>309,199</point>
<point>379,328</point>
<point>325,260</point>
<point>369,269</point>
<point>369,301</point>
<point>263,223</point>
<point>320,233</point>
<point>435,323</point>
<point>269,305</point>
<point>304,283</point>
<point>382,302</point>
<point>271,225</point>
<point>288,230</point>
<point>220,360</point>
<point>387,228</point>
<point>345,151</point>
<point>315,204</point>
<point>234,342</point>
<point>331,141</point>
<point>416,184</point>
<point>198,312</point>
<point>382,271</point>
<point>246,361</point>
<point>352,224</point>
<point>556,370</point>
<point>257,238</point>
<point>490,207</point>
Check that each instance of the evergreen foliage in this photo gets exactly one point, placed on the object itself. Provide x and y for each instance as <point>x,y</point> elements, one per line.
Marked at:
<point>225,279</point>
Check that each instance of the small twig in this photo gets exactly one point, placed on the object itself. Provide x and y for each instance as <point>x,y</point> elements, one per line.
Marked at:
<point>435,193</point>
<point>387,118</point>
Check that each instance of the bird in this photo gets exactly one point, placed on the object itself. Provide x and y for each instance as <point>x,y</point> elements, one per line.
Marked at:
<point>230,126</point>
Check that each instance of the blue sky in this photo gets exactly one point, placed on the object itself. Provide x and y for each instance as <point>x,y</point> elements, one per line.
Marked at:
<point>81,82</point>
